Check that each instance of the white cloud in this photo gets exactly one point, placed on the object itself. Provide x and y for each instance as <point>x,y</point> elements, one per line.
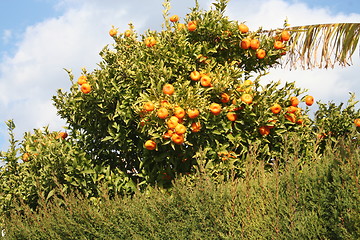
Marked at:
<point>6,36</point>
<point>30,77</point>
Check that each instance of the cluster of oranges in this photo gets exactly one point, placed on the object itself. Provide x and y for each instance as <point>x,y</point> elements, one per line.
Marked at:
<point>173,117</point>
<point>292,113</point>
<point>84,85</point>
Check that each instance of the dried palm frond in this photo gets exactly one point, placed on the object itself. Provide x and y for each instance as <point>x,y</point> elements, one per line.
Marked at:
<point>322,45</point>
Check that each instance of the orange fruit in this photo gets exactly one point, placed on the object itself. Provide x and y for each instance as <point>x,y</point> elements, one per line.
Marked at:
<point>25,157</point>
<point>195,75</point>
<point>291,117</point>
<point>357,122</point>
<point>128,33</point>
<point>245,43</point>
<point>149,106</point>
<point>264,130</point>
<point>294,101</point>
<point>179,112</point>
<point>168,134</point>
<point>150,41</point>
<point>247,98</point>
<point>193,113</point>
<point>260,53</point>
<point>300,121</point>
<point>243,28</point>
<point>195,127</point>
<point>150,145</point>
<point>177,139</point>
<point>85,88</point>
<point>275,109</point>
<point>172,122</point>
<point>225,98</point>
<point>168,89</point>
<point>278,45</point>
<point>205,81</point>
<point>113,32</point>
<point>180,129</point>
<point>291,109</point>
<point>254,44</point>
<point>191,26</point>
<point>174,18</point>
<point>82,79</point>
<point>162,113</point>
<point>285,35</point>
<point>62,135</point>
<point>231,116</point>
<point>215,109</point>
<point>309,100</point>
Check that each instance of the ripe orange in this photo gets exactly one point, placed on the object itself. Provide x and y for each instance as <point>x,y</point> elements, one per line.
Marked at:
<point>245,43</point>
<point>180,129</point>
<point>309,100</point>
<point>291,117</point>
<point>113,32</point>
<point>357,122</point>
<point>285,35</point>
<point>62,135</point>
<point>195,127</point>
<point>294,101</point>
<point>172,122</point>
<point>177,138</point>
<point>150,41</point>
<point>150,145</point>
<point>278,45</point>
<point>168,89</point>
<point>149,106</point>
<point>162,113</point>
<point>225,98</point>
<point>205,81</point>
<point>25,157</point>
<point>254,44</point>
<point>231,116</point>
<point>243,28</point>
<point>275,109</point>
<point>168,134</point>
<point>179,112</point>
<point>291,109</point>
<point>195,75</point>
<point>260,53</point>
<point>82,79</point>
<point>174,18</point>
<point>128,33</point>
<point>271,123</point>
<point>191,26</point>
<point>85,88</point>
<point>215,109</point>
<point>300,121</point>
<point>264,130</point>
<point>193,113</point>
<point>247,98</point>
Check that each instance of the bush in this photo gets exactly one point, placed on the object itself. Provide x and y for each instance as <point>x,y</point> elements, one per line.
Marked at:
<point>313,200</point>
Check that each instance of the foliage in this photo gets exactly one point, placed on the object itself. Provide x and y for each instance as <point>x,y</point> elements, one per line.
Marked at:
<point>316,200</point>
<point>121,113</point>
<point>169,103</point>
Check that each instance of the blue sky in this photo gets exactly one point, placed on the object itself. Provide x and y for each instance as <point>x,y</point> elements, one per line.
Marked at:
<point>38,38</point>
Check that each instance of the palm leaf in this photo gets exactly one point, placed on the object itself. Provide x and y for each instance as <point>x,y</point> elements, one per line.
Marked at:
<point>322,45</point>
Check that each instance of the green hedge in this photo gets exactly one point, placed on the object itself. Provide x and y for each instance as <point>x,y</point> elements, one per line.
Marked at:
<point>316,200</point>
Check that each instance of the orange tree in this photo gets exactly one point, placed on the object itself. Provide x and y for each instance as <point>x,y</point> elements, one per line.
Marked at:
<point>164,101</point>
